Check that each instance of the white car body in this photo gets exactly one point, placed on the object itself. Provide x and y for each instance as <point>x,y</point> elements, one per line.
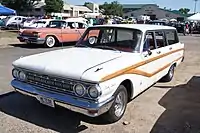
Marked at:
<point>107,68</point>
<point>15,20</point>
<point>42,23</point>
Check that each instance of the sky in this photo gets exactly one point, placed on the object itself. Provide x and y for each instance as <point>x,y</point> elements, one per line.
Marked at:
<point>173,4</point>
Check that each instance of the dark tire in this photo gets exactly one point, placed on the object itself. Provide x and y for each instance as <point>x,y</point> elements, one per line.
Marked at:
<point>50,41</point>
<point>118,107</point>
<point>170,75</point>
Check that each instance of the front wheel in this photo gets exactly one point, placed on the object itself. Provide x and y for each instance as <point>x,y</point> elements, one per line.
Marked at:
<point>118,108</point>
<point>50,41</point>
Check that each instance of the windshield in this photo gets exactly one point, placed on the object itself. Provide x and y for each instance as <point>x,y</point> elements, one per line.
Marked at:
<point>122,39</point>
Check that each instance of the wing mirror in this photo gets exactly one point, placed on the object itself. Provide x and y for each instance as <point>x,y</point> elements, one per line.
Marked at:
<point>149,52</point>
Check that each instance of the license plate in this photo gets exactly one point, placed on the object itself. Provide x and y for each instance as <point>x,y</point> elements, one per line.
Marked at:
<point>46,101</point>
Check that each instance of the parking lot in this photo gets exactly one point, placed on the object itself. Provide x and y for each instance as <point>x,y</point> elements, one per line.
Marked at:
<point>165,108</point>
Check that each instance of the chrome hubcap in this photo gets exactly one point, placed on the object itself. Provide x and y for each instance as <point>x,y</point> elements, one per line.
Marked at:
<point>171,72</point>
<point>50,41</point>
<point>120,104</point>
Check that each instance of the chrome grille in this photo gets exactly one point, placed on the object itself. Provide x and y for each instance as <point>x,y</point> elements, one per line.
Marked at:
<point>50,83</point>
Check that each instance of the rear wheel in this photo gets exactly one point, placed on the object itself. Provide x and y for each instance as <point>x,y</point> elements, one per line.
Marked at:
<point>118,108</point>
<point>170,75</point>
<point>50,41</point>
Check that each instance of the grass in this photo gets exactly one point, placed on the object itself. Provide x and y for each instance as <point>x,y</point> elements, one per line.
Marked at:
<point>8,34</point>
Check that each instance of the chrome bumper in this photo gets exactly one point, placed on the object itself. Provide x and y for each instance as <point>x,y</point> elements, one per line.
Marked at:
<point>34,40</point>
<point>86,107</point>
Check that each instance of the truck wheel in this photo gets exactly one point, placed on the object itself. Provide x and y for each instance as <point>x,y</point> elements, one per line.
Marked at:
<point>50,41</point>
<point>118,108</point>
<point>170,75</point>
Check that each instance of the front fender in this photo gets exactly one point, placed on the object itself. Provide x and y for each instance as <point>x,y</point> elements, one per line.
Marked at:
<point>109,87</point>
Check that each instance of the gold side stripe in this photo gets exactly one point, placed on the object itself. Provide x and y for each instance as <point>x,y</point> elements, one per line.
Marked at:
<point>123,71</point>
<point>139,72</point>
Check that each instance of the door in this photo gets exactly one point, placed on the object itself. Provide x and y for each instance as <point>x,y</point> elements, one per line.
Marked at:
<point>81,27</point>
<point>69,34</point>
<point>164,58</point>
<point>149,53</point>
<point>174,44</point>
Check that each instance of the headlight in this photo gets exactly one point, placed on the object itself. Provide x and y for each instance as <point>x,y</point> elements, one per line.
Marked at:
<point>15,73</point>
<point>79,90</point>
<point>22,76</point>
<point>94,91</point>
<point>36,34</point>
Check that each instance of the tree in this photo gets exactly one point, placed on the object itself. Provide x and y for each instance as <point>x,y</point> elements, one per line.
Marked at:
<point>19,5</point>
<point>86,3</point>
<point>113,8</point>
<point>54,6</point>
<point>184,10</point>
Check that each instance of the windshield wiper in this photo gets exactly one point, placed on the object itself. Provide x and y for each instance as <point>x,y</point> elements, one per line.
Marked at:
<point>105,47</point>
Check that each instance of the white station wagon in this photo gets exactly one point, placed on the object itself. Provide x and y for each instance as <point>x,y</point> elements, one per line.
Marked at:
<point>109,66</point>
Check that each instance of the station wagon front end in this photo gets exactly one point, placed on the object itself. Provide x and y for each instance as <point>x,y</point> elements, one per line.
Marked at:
<point>109,66</point>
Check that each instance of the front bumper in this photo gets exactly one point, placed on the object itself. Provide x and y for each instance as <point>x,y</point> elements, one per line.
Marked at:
<point>34,40</point>
<point>86,107</point>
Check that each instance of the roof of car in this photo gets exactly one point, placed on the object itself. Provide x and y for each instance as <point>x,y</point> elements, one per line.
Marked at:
<point>142,27</point>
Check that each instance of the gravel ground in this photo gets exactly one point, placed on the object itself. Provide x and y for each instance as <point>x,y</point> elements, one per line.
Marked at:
<point>165,108</point>
<point>8,39</point>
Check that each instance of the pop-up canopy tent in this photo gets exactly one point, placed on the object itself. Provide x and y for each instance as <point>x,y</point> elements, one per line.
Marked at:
<point>6,11</point>
<point>195,17</point>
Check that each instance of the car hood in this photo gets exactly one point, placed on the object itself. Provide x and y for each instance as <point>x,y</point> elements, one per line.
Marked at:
<point>69,63</point>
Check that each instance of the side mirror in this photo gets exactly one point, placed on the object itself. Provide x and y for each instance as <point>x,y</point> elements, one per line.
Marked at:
<point>149,52</point>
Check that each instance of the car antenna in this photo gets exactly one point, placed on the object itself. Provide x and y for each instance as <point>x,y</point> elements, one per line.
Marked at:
<point>62,32</point>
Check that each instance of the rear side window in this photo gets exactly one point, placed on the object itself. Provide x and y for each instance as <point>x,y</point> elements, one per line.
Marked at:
<point>160,39</point>
<point>171,37</point>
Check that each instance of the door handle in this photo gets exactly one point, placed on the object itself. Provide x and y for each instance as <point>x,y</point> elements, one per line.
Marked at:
<point>158,52</point>
<point>170,48</point>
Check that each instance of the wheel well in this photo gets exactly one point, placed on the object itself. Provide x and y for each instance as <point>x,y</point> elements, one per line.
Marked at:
<point>129,87</point>
<point>175,64</point>
<point>54,37</point>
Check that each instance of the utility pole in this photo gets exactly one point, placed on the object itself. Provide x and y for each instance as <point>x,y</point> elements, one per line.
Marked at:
<point>195,5</point>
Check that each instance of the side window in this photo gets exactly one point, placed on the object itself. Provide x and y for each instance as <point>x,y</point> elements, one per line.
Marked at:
<point>19,18</point>
<point>149,42</point>
<point>171,37</point>
<point>160,39</point>
<point>71,25</point>
<point>81,26</point>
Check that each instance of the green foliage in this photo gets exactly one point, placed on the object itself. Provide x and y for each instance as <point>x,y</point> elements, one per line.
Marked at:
<point>54,6</point>
<point>87,3</point>
<point>19,5</point>
<point>184,10</point>
<point>113,8</point>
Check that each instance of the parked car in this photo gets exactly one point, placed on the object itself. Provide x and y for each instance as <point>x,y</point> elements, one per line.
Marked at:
<point>158,22</point>
<point>58,31</point>
<point>109,66</point>
<point>180,26</point>
<point>34,24</point>
<point>14,22</point>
